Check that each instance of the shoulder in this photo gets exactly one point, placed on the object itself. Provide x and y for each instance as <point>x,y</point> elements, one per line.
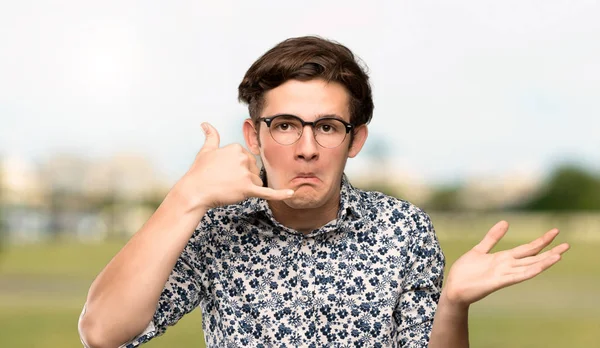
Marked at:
<point>217,221</point>
<point>229,215</point>
<point>378,205</point>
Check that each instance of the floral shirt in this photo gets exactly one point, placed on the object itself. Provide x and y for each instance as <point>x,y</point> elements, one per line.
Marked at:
<point>370,278</point>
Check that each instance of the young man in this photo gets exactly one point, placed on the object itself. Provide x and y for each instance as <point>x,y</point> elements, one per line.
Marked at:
<point>293,255</point>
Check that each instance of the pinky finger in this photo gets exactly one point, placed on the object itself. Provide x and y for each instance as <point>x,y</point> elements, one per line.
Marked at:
<point>531,271</point>
<point>557,250</point>
<point>270,194</point>
<point>256,180</point>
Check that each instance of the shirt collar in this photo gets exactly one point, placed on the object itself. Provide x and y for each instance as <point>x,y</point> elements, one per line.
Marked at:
<point>349,200</point>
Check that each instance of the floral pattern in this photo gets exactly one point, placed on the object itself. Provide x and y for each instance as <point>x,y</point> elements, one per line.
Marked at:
<point>370,278</point>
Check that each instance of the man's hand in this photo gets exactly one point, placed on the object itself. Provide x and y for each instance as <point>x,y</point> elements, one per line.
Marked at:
<point>478,273</point>
<point>221,176</point>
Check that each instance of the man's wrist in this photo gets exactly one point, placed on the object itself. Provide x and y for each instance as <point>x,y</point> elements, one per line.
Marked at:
<point>452,303</point>
<point>182,195</point>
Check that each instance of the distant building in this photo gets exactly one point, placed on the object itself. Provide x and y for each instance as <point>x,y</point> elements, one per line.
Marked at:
<point>20,183</point>
<point>74,197</point>
<point>383,175</point>
<point>491,193</point>
<point>22,199</point>
<point>475,193</point>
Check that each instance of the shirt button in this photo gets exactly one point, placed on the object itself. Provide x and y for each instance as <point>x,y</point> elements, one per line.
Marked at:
<point>304,298</point>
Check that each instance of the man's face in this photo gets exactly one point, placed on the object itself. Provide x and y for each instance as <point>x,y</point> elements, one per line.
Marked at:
<point>312,171</point>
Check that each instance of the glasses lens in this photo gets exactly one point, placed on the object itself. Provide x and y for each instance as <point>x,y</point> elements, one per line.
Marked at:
<point>286,129</point>
<point>330,132</point>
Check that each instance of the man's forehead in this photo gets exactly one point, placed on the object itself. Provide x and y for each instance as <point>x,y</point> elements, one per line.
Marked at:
<point>308,100</point>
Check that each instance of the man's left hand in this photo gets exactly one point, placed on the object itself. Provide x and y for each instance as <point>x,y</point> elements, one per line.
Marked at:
<point>478,272</point>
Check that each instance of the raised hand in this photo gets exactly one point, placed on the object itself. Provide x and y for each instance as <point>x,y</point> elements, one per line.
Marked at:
<point>478,272</point>
<point>227,175</point>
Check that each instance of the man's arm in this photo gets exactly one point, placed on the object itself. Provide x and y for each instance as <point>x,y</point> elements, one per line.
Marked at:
<point>478,273</point>
<point>450,324</point>
<point>422,284</point>
<point>122,300</point>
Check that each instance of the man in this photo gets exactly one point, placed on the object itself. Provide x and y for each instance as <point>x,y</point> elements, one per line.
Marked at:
<point>293,255</point>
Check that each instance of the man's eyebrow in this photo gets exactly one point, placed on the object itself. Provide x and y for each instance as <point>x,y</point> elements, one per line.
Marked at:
<point>319,116</point>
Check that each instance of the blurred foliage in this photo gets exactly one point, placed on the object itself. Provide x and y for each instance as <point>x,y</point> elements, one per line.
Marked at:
<point>444,198</point>
<point>3,228</point>
<point>570,188</point>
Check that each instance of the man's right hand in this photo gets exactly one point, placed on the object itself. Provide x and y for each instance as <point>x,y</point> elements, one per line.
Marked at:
<point>222,176</point>
<point>136,276</point>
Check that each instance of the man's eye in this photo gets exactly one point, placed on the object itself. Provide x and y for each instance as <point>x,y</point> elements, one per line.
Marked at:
<point>283,126</point>
<point>327,128</point>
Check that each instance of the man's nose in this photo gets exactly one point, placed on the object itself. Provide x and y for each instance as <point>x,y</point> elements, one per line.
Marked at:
<point>307,147</point>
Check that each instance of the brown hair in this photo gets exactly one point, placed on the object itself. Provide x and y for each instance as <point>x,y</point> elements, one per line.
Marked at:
<point>307,58</point>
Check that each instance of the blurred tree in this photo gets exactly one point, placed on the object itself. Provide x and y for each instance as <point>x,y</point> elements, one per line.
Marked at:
<point>64,176</point>
<point>3,228</point>
<point>570,188</point>
<point>444,198</point>
<point>383,187</point>
<point>377,153</point>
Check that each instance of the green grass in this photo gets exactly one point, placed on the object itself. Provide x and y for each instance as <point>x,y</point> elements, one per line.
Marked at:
<point>42,289</point>
<point>57,327</point>
<point>82,261</point>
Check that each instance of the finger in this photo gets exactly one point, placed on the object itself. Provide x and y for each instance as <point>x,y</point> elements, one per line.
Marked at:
<point>252,164</point>
<point>492,237</point>
<point>557,250</point>
<point>533,270</point>
<point>256,180</point>
<point>254,170</point>
<point>270,194</point>
<point>212,140</point>
<point>535,246</point>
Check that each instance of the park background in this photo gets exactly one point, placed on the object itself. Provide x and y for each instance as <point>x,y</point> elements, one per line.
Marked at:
<point>484,110</point>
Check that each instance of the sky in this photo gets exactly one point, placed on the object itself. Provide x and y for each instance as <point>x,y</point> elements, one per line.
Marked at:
<point>461,88</point>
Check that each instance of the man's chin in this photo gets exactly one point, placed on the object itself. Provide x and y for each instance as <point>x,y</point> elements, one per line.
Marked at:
<point>301,201</point>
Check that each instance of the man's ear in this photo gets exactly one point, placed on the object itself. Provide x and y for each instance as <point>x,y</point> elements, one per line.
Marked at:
<point>251,137</point>
<point>360,136</point>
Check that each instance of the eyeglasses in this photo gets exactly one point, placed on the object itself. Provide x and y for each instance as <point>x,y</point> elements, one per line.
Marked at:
<point>329,132</point>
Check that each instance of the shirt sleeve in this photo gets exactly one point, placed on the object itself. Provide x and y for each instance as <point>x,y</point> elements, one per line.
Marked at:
<point>181,294</point>
<point>422,285</point>
<point>183,291</point>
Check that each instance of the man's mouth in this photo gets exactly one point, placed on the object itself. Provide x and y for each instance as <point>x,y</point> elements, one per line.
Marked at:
<point>305,178</point>
<point>306,175</point>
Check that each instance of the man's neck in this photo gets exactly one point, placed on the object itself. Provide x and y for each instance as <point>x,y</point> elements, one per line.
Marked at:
<point>306,220</point>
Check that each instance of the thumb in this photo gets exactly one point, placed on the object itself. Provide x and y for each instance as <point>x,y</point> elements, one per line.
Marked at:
<point>212,140</point>
<point>492,237</point>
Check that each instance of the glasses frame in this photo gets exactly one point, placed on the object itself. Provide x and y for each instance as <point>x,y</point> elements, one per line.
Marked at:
<point>348,126</point>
